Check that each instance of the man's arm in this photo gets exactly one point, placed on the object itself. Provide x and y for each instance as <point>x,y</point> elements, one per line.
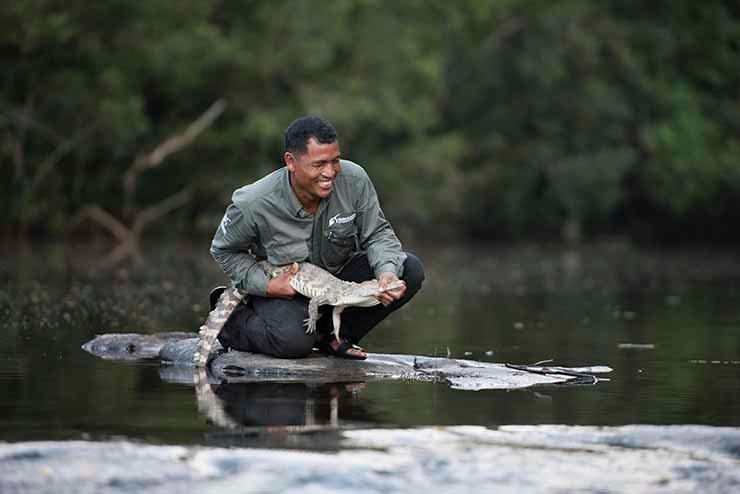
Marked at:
<point>378,239</point>
<point>230,248</point>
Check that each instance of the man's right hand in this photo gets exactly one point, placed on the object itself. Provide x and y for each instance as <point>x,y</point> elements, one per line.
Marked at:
<point>279,286</point>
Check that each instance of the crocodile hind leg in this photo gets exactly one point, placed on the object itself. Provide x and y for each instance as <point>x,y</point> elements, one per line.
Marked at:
<point>313,315</point>
<point>336,318</point>
<point>214,323</point>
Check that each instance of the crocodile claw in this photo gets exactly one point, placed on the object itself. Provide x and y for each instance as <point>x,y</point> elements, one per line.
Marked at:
<point>310,325</point>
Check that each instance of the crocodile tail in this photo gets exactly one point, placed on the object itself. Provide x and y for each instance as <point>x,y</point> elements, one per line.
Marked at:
<point>214,323</point>
<point>208,403</point>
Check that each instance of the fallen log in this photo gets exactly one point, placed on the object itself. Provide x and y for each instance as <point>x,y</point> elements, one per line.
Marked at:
<point>131,346</point>
<point>177,349</point>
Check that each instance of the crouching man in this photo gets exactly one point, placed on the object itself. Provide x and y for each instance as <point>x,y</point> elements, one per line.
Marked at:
<point>320,209</point>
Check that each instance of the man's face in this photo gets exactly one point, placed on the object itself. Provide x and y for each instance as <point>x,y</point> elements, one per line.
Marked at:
<point>314,171</point>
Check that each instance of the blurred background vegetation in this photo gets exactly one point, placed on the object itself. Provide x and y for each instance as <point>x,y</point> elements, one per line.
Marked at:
<point>476,119</point>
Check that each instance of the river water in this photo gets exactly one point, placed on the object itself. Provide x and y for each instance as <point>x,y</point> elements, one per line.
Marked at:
<point>667,322</point>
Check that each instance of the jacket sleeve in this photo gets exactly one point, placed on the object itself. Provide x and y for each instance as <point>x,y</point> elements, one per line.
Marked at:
<point>231,248</point>
<point>376,234</point>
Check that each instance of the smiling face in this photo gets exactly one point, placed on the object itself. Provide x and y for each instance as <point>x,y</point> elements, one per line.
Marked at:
<point>312,173</point>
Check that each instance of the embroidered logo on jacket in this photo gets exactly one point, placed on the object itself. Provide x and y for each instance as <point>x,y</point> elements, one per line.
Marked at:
<point>336,219</point>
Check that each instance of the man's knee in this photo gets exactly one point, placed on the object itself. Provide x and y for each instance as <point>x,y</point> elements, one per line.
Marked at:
<point>413,272</point>
<point>297,345</point>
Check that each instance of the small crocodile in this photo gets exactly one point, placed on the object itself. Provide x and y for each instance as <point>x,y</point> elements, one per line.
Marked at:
<point>320,286</point>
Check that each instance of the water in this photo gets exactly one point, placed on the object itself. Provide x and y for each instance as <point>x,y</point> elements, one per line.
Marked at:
<point>517,304</point>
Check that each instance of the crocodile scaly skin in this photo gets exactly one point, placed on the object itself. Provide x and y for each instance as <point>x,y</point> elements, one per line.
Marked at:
<point>215,322</point>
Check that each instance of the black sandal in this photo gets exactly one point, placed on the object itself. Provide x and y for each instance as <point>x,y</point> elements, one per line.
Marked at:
<point>344,350</point>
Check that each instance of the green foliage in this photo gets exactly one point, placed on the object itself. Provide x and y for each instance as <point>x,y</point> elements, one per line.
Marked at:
<point>495,119</point>
<point>689,162</point>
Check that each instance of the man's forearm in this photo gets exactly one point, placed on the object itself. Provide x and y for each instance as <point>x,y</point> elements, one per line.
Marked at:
<point>384,251</point>
<point>230,248</point>
<point>243,270</point>
<point>377,237</point>
<point>385,255</point>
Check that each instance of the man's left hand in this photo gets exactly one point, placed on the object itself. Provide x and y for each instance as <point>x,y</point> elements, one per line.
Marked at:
<point>390,296</point>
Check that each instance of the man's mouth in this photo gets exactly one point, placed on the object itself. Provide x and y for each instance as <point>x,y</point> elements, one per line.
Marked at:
<point>325,184</point>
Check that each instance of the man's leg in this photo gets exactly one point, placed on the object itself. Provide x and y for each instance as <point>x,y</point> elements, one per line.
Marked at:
<point>272,326</point>
<point>358,321</point>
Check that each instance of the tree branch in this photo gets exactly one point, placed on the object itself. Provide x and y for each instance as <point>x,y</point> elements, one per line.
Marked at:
<point>163,207</point>
<point>107,221</point>
<point>24,117</point>
<point>129,248</point>
<point>166,148</point>
<point>128,238</point>
<point>53,159</point>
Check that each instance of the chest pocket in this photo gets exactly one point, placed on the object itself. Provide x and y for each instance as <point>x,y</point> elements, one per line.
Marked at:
<point>340,241</point>
<point>280,254</point>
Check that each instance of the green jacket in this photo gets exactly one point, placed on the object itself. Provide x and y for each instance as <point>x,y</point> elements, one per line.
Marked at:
<point>266,221</point>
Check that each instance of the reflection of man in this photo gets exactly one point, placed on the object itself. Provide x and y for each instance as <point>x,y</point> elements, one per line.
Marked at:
<point>320,209</point>
<point>288,404</point>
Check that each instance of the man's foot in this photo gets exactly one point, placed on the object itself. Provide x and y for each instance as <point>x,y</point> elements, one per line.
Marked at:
<point>215,295</point>
<point>344,349</point>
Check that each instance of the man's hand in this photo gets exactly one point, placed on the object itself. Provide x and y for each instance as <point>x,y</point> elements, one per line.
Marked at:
<point>279,287</point>
<point>390,296</point>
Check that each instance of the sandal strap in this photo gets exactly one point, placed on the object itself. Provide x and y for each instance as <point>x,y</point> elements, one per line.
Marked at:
<point>344,346</point>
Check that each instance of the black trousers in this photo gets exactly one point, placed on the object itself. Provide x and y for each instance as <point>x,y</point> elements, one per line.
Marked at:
<point>274,326</point>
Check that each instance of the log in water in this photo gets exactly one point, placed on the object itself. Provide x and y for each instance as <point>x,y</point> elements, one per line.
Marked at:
<point>177,349</point>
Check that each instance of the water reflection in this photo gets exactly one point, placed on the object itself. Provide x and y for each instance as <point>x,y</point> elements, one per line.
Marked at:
<point>279,407</point>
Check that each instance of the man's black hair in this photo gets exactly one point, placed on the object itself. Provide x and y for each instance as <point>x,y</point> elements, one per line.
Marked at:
<point>301,130</point>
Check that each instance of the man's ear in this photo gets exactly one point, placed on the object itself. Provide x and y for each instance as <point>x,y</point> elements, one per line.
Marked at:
<point>290,161</point>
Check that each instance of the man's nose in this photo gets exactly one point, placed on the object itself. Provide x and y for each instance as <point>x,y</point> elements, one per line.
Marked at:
<point>329,171</point>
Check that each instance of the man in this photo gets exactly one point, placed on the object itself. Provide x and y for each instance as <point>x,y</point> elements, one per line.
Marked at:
<point>320,209</point>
